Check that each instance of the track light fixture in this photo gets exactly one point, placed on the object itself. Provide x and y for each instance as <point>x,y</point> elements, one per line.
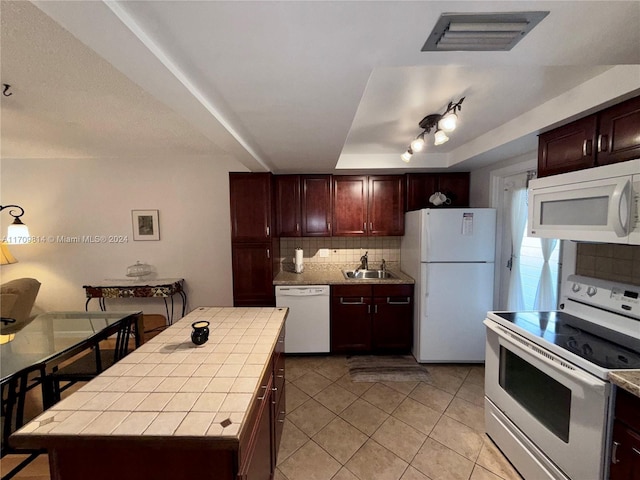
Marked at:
<point>441,123</point>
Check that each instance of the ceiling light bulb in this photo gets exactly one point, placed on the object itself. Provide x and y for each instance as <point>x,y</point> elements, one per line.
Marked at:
<point>418,144</point>
<point>406,156</point>
<point>448,123</point>
<point>440,137</point>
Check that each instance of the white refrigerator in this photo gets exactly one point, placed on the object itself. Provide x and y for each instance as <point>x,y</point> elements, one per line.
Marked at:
<point>450,254</point>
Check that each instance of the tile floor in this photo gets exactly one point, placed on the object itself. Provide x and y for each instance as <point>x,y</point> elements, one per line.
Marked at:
<point>336,429</point>
<point>341,430</point>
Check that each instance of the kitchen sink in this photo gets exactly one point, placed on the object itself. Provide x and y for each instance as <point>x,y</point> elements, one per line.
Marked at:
<point>367,274</point>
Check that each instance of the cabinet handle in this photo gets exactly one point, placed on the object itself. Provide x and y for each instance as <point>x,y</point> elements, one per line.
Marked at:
<point>329,226</point>
<point>390,302</point>
<point>264,387</point>
<point>274,389</point>
<point>375,309</point>
<point>268,253</point>
<point>279,376</point>
<point>361,302</point>
<point>368,308</point>
<point>364,226</point>
<point>268,230</point>
<point>635,451</point>
<point>297,227</point>
<point>614,453</point>
<point>603,143</point>
<point>371,226</point>
<point>586,148</point>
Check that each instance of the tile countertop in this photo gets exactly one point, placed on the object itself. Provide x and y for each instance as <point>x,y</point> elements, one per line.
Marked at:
<point>334,276</point>
<point>169,387</point>
<point>626,379</point>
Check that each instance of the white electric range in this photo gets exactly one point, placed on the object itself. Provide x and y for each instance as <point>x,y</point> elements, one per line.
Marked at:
<point>548,400</point>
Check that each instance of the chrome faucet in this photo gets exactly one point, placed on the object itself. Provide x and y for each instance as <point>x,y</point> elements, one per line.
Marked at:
<point>364,262</point>
<point>383,266</point>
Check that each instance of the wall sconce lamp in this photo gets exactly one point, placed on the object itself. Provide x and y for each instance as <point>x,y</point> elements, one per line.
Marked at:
<point>441,123</point>
<point>17,230</point>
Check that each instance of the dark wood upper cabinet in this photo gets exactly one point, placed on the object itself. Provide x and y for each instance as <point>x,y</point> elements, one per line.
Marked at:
<point>568,148</point>
<point>349,205</point>
<point>255,248</point>
<point>251,206</point>
<point>386,205</point>
<point>420,186</point>
<point>316,205</point>
<point>368,205</point>
<point>619,133</point>
<point>609,136</point>
<point>456,187</point>
<point>287,193</point>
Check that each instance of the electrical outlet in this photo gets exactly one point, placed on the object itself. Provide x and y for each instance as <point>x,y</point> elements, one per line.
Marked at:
<point>324,252</point>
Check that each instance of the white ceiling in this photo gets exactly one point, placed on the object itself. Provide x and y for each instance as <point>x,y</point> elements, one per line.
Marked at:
<point>299,86</point>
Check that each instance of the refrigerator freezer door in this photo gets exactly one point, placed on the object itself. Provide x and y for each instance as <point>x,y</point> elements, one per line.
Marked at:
<point>454,300</point>
<point>458,235</point>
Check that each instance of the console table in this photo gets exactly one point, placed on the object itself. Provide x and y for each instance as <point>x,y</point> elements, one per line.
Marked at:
<point>126,288</point>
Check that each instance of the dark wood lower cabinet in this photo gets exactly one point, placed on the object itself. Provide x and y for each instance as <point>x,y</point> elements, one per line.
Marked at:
<point>625,450</point>
<point>374,318</point>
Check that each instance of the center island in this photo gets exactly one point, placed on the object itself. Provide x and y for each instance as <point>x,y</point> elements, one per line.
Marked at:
<point>175,410</point>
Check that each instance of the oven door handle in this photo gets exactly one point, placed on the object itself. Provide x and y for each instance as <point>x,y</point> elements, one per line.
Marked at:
<point>529,348</point>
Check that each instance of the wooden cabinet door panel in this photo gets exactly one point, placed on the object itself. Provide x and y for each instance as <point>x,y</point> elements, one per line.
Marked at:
<point>568,148</point>
<point>250,198</point>
<point>257,464</point>
<point>349,205</point>
<point>350,324</point>
<point>456,187</point>
<point>386,205</point>
<point>287,194</point>
<point>252,275</point>
<point>316,205</point>
<point>619,133</point>
<point>420,186</point>
<point>392,323</point>
<point>625,461</point>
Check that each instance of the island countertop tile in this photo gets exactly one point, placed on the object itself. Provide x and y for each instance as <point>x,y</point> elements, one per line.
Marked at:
<point>169,387</point>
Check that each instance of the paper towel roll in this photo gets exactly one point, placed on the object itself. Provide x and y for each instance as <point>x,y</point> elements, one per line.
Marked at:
<point>298,261</point>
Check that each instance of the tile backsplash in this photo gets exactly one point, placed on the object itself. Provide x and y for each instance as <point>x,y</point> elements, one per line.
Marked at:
<point>620,263</point>
<point>341,250</point>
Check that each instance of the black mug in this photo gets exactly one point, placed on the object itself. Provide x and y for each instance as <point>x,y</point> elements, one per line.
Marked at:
<point>200,332</point>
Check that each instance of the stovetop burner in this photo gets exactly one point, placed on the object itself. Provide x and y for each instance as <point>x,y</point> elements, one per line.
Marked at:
<point>601,346</point>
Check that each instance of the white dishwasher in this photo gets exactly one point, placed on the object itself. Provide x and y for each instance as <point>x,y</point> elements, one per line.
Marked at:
<point>307,327</point>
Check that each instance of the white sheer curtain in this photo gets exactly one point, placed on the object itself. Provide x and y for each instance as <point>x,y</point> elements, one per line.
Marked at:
<point>518,206</point>
<point>546,294</point>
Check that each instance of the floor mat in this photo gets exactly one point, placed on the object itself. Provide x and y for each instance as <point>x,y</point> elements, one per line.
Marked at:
<point>386,368</point>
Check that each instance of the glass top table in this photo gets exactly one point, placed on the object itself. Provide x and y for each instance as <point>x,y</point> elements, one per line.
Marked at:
<point>53,337</point>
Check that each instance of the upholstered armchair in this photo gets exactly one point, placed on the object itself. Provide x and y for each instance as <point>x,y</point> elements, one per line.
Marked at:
<point>16,301</point>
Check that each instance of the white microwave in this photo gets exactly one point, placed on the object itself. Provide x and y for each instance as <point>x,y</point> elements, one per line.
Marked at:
<point>598,204</point>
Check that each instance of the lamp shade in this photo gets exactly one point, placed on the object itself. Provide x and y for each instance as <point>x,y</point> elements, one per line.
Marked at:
<point>440,137</point>
<point>418,144</point>
<point>5,255</point>
<point>17,232</point>
<point>448,123</point>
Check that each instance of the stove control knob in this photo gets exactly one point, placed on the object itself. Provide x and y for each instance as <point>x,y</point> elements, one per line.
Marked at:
<point>591,291</point>
<point>575,287</point>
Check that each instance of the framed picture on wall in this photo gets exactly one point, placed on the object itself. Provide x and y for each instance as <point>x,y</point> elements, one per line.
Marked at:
<point>145,225</point>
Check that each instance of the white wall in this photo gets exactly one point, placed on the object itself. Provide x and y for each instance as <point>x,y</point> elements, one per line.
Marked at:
<point>76,197</point>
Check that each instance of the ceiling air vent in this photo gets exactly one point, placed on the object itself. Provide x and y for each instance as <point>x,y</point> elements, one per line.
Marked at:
<point>481,31</point>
